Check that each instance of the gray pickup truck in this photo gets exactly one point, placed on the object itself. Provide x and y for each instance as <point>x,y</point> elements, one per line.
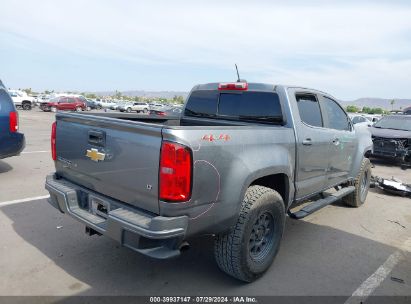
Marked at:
<point>235,162</point>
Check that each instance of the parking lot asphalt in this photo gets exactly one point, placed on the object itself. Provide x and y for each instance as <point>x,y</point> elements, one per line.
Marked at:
<point>336,251</point>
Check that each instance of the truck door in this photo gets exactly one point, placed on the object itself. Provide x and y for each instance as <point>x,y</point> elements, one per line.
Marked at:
<point>313,144</point>
<point>343,143</point>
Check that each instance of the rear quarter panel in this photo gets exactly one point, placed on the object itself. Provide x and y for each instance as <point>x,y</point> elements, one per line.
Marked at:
<point>223,169</point>
<point>364,145</point>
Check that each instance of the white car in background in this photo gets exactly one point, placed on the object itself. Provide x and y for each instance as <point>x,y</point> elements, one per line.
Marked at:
<point>360,120</point>
<point>105,104</point>
<point>21,99</point>
<point>134,106</point>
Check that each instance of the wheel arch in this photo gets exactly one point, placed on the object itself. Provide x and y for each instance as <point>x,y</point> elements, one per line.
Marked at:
<point>275,180</point>
<point>278,182</point>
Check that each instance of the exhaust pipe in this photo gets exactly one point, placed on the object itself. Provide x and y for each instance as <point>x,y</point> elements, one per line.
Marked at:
<point>184,246</point>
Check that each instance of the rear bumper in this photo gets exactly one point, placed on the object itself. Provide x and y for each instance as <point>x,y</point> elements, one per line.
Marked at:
<point>12,145</point>
<point>152,235</point>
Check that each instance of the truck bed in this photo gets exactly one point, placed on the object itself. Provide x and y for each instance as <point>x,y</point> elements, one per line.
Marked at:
<point>131,145</point>
<point>170,121</point>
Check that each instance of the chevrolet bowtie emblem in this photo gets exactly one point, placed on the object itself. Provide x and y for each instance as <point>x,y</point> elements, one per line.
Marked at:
<point>94,155</point>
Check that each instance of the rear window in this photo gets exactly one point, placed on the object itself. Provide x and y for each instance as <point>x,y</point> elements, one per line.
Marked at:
<point>246,106</point>
<point>202,103</point>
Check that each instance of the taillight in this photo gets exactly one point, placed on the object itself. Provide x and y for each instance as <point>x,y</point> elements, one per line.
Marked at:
<point>161,113</point>
<point>13,122</point>
<point>53,141</point>
<point>236,86</point>
<point>175,172</point>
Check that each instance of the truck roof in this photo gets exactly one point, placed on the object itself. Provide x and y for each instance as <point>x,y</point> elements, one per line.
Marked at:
<point>255,86</point>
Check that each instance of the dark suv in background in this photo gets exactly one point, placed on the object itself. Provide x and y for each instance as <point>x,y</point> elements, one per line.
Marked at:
<point>65,103</point>
<point>11,141</point>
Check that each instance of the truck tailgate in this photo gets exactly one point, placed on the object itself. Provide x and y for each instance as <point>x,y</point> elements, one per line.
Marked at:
<point>114,157</point>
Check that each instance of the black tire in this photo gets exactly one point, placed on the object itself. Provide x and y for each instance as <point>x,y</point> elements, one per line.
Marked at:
<point>128,110</point>
<point>53,109</point>
<point>26,106</point>
<point>79,109</point>
<point>99,107</point>
<point>88,109</point>
<point>361,184</point>
<point>145,111</point>
<point>236,251</point>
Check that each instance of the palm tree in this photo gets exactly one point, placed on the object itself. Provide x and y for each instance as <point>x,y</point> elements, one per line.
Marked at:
<point>392,104</point>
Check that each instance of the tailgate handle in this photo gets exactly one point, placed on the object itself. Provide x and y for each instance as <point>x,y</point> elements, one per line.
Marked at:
<point>97,137</point>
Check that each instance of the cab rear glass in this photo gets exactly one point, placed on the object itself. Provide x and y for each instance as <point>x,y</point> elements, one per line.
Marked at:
<point>262,107</point>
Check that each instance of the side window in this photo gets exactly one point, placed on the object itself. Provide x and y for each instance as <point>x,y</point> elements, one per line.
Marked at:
<point>71,100</point>
<point>309,109</point>
<point>357,119</point>
<point>13,94</point>
<point>337,119</point>
<point>63,100</point>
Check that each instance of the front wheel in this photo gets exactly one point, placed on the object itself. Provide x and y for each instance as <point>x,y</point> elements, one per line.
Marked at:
<point>88,109</point>
<point>128,110</point>
<point>78,109</point>
<point>361,184</point>
<point>249,248</point>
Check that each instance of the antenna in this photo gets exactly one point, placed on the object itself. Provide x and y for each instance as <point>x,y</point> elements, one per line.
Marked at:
<point>238,74</point>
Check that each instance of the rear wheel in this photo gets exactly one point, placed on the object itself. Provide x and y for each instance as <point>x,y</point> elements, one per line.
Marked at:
<point>26,106</point>
<point>53,109</point>
<point>361,184</point>
<point>248,249</point>
<point>88,109</point>
<point>145,111</point>
<point>78,109</point>
<point>128,110</point>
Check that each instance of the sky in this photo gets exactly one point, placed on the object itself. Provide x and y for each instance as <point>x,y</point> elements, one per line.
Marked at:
<point>350,49</point>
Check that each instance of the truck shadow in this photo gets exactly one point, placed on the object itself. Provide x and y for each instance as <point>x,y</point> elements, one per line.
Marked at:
<point>313,260</point>
<point>5,167</point>
<point>388,162</point>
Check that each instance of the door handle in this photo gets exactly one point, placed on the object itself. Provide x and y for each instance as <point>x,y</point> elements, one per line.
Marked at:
<point>97,137</point>
<point>336,141</point>
<point>307,142</point>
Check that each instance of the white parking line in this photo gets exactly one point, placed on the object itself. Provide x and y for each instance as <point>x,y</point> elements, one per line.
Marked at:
<point>375,280</point>
<point>23,200</point>
<point>30,152</point>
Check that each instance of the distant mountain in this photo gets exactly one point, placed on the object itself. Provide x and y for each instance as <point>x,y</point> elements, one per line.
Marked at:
<point>378,103</point>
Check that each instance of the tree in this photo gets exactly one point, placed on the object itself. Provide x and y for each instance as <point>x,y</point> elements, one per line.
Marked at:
<point>366,110</point>
<point>28,91</point>
<point>178,99</point>
<point>352,109</point>
<point>90,95</point>
<point>117,95</point>
<point>392,104</point>
<point>377,111</point>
